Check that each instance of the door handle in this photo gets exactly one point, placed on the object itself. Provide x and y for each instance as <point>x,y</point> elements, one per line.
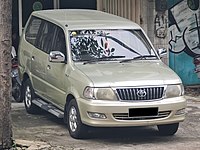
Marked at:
<point>48,67</point>
<point>33,58</point>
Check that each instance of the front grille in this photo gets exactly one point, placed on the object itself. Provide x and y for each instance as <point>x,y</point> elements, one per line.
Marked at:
<point>125,116</point>
<point>148,93</point>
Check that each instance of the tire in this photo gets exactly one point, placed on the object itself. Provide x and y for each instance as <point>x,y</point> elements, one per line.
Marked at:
<point>76,128</point>
<point>167,130</point>
<point>28,96</point>
<point>17,93</point>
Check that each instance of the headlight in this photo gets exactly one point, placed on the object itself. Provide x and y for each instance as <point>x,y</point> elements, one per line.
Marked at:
<point>88,93</point>
<point>99,93</point>
<point>174,91</point>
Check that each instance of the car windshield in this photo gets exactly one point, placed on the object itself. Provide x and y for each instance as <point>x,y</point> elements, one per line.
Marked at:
<point>87,45</point>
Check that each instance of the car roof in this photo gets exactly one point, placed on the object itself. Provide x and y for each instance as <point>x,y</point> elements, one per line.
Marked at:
<point>83,18</point>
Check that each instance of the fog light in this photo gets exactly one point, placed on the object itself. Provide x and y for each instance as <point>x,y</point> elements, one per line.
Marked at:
<point>97,115</point>
<point>180,111</point>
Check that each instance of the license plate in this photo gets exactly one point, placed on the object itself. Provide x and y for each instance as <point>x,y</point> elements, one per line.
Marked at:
<point>139,112</point>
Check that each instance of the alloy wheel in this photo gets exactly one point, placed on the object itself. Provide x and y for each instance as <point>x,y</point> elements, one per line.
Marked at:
<point>28,97</point>
<point>73,124</point>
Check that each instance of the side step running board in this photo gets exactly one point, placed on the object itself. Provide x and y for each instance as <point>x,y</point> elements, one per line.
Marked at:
<point>48,107</point>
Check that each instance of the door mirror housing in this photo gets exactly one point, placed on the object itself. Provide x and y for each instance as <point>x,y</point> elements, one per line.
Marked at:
<point>56,56</point>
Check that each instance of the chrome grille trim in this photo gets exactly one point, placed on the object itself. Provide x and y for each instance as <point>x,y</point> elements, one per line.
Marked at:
<point>125,116</point>
<point>129,93</point>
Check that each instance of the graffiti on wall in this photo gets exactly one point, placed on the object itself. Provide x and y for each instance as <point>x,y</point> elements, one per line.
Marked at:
<point>160,21</point>
<point>160,25</point>
<point>184,30</point>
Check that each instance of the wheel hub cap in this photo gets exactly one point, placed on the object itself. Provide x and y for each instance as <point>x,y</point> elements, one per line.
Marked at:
<point>73,119</point>
<point>28,96</point>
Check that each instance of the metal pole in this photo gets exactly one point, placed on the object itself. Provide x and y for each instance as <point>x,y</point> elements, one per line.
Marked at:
<point>56,4</point>
<point>20,16</point>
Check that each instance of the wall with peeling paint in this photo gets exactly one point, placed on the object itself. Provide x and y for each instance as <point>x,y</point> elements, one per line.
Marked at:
<point>184,39</point>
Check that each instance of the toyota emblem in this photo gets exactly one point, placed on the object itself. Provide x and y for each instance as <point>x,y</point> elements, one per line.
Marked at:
<point>141,93</point>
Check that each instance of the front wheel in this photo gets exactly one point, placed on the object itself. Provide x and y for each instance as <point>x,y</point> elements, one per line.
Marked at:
<point>76,128</point>
<point>169,129</point>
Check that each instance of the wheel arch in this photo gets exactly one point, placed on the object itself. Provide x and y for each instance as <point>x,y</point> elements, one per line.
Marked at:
<point>69,98</point>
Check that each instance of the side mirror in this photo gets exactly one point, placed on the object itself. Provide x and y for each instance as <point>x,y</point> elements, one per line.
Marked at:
<point>162,51</point>
<point>56,56</point>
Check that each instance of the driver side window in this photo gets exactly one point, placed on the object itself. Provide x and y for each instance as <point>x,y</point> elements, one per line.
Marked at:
<point>59,42</point>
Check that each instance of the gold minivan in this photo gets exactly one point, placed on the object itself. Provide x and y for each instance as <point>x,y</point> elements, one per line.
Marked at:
<point>96,69</point>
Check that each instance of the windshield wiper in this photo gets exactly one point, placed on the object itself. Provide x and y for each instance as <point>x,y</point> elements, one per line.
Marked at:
<point>122,44</point>
<point>139,57</point>
<point>102,59</point>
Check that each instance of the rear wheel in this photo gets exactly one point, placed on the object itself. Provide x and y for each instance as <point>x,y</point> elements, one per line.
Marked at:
<point>29,95</point>
<point>169,129</point>
<point>16,92</point>
<point>76,128</point>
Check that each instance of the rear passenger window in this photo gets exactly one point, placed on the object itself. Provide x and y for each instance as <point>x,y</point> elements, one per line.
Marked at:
<point>32,30</point>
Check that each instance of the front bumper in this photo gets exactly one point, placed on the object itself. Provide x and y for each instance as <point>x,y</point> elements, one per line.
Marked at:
<point>117,112</point>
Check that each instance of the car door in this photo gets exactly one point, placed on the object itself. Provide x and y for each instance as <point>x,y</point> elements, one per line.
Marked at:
<point>39,58</point>
<point>56,78</point>
<point>36,69</point>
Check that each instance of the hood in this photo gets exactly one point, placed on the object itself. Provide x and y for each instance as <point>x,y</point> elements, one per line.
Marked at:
<point>136,73</point>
